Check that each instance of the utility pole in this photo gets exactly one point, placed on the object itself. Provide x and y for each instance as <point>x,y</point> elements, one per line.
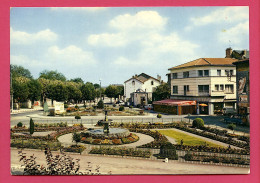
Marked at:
<point>12,95</point>
<point>100,88</point>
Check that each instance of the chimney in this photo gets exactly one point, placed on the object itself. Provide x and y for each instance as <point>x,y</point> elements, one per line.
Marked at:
<point>159,77</point>
<point>228,52</point>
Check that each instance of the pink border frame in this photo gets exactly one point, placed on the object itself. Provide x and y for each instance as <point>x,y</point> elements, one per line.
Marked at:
<point>4,97</point>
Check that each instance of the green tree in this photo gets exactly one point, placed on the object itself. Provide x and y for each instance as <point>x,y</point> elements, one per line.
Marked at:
<point>57,91</point>
<point>119,91</point>
<point>111,91</point>
<point>76,137</point>
<point>161,92</point>
<point>52,75</point>
<point>35,90</point>
<point>20,90</point>
<point>96,86</point>
<point>88,91</point>
<point>74,92</point>
<point>17,71</point>
<point>77,80</point>
<point>31,126</point>
<point>100,104</point>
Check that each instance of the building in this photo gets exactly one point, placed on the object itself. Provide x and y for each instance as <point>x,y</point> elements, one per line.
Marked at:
<point>243,87</point>
<point>211,82</point>
<point>237,54</point>
<point>139,98</point>
<point>141,83</point>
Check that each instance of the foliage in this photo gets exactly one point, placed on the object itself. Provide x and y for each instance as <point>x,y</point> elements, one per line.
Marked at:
<point>31,126</point>
<point>100,104</point>
<point>111,91</point>
<point>96,86</point>
<point>34,88</point>
<point>61,164</point>
<point>231,126</point>
<point>77,80</point>
<point>76,137</point>
<point>168,150</point>
<point>159,116</point>
<point>20,124</point>
<point>52,75</point>
<point>161,92</point>
<point>35,144</point>
<point>88,91</point>
<point>121,108</point>
<point>20,89</point>
<point>75,148</point>
<point>198,123</point>
<point>17,71</point>
<point>122,152</point>
<point>77,116</point>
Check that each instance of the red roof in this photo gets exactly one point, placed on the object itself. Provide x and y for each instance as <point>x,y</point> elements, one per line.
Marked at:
<point>175,102</point>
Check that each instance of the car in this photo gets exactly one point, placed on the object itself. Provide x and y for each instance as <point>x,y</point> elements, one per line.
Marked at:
<point>229,111</point>
<point>120,102</point>
<point>148,107</point>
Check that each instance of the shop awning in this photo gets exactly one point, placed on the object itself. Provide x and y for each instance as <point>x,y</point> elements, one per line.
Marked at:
<point>175,102</point>
<point>204,105</point>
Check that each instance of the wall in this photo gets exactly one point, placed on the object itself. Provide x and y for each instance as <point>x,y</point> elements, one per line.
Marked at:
<point>130,88</point>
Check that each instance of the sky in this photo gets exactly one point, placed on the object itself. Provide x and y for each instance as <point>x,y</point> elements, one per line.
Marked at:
<point>113,44</point>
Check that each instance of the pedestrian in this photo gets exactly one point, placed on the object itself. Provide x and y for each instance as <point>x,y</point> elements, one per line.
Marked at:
<point>181,142</point>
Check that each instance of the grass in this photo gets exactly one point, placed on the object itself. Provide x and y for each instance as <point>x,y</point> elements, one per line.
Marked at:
<point>187,139</point>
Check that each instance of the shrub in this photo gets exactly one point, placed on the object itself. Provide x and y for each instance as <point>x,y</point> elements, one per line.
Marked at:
<point>231,126</point>
<point>66,106</point>
<point>188,156</point>
<point>31,126</point>
<point>20,124</point>
<point>96,141</point>
<point>159,116</point>
<point>77,116</point>
<point>198,123</point>
<point>131,107</point>
<point>121,108</point>
<point>76,107</point>
<point>100,104</point>
<point>168,150</point>
<point>117,141</point>
<point>76,137</point>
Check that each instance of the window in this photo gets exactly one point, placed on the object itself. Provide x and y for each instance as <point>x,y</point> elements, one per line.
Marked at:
<point>133,82</point>
<point>206,72</point>
<point>203,88</point>
<point>221,87</point>
<point>174,75</point>
<point>175,89</point>
<point>186,74</point>
<point>151,82</point>
<point>229,89</point>
<point>200,73</point>
<point>216,87</point>
<point>231,72</point>
<point>219,72</point>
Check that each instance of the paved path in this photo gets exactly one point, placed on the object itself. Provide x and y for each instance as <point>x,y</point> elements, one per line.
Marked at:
<point>203,138</point>
<point>143,139</point>
<point>128,166</point>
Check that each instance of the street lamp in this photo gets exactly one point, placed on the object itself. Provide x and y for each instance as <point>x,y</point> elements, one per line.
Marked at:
<point>100,88</point>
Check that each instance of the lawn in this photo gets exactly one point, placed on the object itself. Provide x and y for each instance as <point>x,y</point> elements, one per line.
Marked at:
<point>187,139</point>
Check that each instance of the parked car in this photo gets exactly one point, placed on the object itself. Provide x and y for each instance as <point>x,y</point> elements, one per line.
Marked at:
<point>148,107</point>
<point>120,102</point>
<point>229,111</point>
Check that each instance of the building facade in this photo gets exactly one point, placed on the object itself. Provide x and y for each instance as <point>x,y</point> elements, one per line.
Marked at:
<point>141,82</point>
<point>211,82</point>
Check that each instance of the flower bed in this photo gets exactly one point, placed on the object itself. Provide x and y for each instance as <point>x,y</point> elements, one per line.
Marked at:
<point>216,159</point>
<point>109,140</point>
<point>75,148</point>
<point>35,144</point>
<point>121,152</point>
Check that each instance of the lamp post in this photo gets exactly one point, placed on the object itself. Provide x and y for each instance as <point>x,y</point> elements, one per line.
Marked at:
<point>12,95</point>
<point>100,88</point>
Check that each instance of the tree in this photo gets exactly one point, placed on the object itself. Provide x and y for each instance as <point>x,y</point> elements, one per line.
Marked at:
<point>76,137</point>
<point>35,90</point>
<point>52,75</point>
<point>111,91</point>
<point>77,80</point>
<point>119,91</point>
<point>96,86</point>
<point>20,90</point>
<point>57,90</point>
<point>17,71</point>
<point>88,91</point>
<point>74,92</point>
<point>161,92</point>
<point>100,104</point>
<point>31,126</point>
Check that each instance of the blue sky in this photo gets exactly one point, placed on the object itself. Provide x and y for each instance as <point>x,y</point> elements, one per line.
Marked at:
<point>115,43</point>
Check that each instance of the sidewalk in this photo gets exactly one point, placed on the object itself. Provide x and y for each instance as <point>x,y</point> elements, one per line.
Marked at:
<point>15,111</point>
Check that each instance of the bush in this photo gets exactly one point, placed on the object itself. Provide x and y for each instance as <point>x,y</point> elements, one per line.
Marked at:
<point>77,116</point>
<point>76,137</point>
<point>168,150</point>
<point>66,106</point>
<point>159,116</point>
<point>20,124</point>
<point>100,104</point>
<point>198,123</point>
<point>31,126</point>
<point>131,107</point>
<point>231,126</point>
<point>77,107</point>
<point>121,108</point>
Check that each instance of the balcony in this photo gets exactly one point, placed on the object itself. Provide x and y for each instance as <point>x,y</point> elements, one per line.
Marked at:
<point>204,94</point>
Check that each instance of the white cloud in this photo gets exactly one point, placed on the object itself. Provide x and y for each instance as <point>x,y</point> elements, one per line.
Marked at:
<point>229,14</point>
<point>25,61</point>
<point>143,20</point>
<point>235,35</point>
<point>129,28</point>
<point>87,9</point>
<point>19,37</point>
<point>70,55</point>
<point>106,39</point>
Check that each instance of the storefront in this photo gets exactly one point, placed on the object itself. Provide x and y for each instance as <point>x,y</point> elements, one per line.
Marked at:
<point>177,107</point>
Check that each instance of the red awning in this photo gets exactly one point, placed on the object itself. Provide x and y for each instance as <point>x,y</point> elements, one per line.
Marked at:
<point>175,102</point>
